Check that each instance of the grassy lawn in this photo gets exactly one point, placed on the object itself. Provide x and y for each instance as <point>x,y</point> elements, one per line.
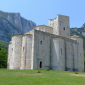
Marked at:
<point>31,77</point>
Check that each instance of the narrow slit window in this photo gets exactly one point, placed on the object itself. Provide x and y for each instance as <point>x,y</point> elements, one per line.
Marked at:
<point>64,28</point>
<point>41,42</point>
<point>12,49</point>
<point>23,49</point>
<point>61,50</point>
<point>25,60</point>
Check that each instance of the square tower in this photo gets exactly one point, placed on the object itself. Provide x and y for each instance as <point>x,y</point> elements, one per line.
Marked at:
<point>60,25</point>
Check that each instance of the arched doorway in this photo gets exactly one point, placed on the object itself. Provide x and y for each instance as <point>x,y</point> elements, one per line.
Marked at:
<point>40,64</point>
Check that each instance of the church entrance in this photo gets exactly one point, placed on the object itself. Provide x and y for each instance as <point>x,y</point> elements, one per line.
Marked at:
<point>40,64</point>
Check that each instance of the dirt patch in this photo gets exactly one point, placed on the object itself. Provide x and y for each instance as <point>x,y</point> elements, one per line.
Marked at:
<point>73,74</point>
<point>79,75</point>
<point>26,74</point>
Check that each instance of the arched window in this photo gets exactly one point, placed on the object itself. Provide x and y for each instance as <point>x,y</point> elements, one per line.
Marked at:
<point>41,42</point>
<point>61,50</point>
<point>40,64</point>
<point>64,28</point>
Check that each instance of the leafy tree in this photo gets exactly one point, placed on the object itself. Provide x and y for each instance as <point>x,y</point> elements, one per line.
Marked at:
<point>3,56</point>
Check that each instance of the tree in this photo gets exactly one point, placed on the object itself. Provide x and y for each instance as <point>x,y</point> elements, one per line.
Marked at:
<point>3,57</point>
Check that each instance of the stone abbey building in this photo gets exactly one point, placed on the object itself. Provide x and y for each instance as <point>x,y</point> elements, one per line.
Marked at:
<point>47,47</point>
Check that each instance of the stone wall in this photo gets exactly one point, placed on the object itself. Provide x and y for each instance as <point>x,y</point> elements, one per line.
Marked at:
<point>26,58</point>
<point>41,50</point>
<point>23,51</point>
<point>75,56</point>
<point>44,28</point>
<point>57,54</point>
<point>10,57</point>
<point>54,24</point>
<point>63,50</point>
<point>16,44</point>
<point>69,54</point>
<point>80,53</point>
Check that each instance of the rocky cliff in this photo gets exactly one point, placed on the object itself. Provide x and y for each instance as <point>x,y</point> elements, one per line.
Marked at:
<point>13,23</point>
<point>23,24</point>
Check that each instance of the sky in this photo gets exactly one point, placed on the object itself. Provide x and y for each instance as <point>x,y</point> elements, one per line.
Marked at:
<point>40,11</point>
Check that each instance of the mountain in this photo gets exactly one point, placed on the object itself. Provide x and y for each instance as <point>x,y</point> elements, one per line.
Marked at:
<point>13,23</point>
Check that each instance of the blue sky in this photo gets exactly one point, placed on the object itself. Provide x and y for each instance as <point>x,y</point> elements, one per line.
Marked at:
<point>40,11</point>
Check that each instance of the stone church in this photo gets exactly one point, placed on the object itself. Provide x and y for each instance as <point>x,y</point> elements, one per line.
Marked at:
<point>47,47</point>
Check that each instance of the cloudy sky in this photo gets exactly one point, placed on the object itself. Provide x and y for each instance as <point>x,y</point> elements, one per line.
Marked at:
<point>40,11</point>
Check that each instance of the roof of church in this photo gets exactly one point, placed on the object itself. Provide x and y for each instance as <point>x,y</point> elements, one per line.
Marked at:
<point>17,35</point>
<point>43,26</point>
<point>75,36</point>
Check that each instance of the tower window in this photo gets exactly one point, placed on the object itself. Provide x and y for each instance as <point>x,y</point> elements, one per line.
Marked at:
<point>12,49</point>
<point>23,49</point>
<point>61,50</point>
<point>64,28</point>
<point>80,53</point>
<point>40,64</point>
<point>41,42</point>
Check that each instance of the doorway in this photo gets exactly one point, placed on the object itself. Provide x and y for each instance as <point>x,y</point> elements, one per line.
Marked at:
<point>40,64</point>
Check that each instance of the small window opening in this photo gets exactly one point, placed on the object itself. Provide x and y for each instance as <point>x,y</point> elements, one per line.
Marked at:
<point>40,64</point>
<point>23,49</point>
<point>41,42</point>
<point>25,60</point>
<point>61,50</point>
<point>12,49</point>
<point>64,28</point>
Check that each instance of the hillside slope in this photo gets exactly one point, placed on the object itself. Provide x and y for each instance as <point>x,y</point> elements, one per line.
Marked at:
<point>13,23</point>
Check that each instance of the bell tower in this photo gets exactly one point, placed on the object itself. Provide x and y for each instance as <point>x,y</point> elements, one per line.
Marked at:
<point>60,25</point>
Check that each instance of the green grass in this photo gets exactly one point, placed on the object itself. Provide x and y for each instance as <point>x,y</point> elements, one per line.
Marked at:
<point>31,77</point>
